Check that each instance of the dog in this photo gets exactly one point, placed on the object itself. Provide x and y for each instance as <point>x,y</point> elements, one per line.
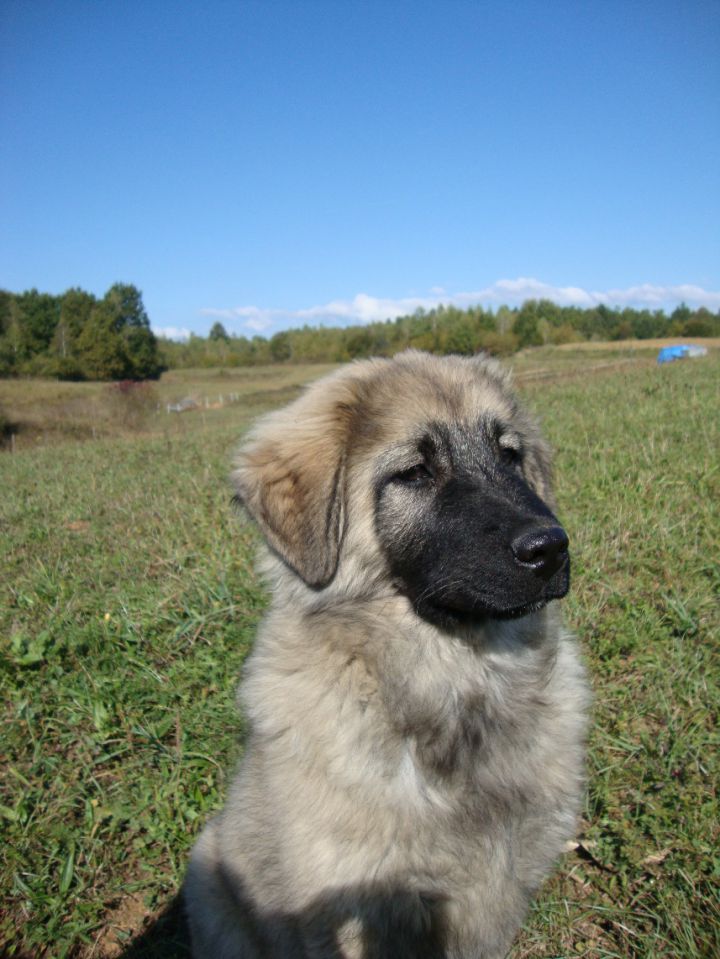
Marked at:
<point>418,714</point>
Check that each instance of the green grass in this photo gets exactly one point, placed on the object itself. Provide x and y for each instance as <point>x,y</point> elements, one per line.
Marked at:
<point>639,488</point>
<point>128,603</point>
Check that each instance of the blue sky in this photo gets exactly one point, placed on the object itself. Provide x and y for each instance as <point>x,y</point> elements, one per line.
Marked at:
<point>274,163</point>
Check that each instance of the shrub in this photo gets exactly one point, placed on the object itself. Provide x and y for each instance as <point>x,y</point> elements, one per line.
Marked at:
<point>129,403</point>
<point>564,334</point>
<point>499,344</point>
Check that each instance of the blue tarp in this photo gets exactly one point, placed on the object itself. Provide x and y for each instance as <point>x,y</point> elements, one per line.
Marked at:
<point>669,353</point>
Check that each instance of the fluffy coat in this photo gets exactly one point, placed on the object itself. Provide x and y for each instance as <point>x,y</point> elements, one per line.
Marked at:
<point>407,784</point>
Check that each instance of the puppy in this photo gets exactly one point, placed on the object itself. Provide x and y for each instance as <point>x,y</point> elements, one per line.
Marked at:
<point>417,713</point>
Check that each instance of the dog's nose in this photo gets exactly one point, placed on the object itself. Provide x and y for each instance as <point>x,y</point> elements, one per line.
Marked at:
<point>542,550</point>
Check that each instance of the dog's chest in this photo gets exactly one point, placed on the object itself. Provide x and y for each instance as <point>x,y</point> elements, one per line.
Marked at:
<point>461,714</point>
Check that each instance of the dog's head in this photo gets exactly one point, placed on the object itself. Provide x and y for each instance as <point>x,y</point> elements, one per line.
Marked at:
<point>424,467</point>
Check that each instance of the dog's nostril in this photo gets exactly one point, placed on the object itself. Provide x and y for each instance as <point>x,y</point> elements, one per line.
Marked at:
<point>543,550</point>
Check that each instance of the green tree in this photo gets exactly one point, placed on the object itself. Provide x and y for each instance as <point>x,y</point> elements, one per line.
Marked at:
<point>8,333</point>
<point>125,302</point>
<point>359,342</point>
<point>280,348</point>
<point>646,325</point>
<point>100,349</point>
<point>550,312</point>
<point>462,336</point>
<point>681,314</point>
<point>504,320</point>
<point>123,308</point>
<point>600,323</point>
<point>218,332</point>
<point>527,328</point>
<point>6,305</point>
<point>242,350</point>
<point>75,308</point>
<point>38,317</point>
<point>141,352</point>
<point>699,324</point>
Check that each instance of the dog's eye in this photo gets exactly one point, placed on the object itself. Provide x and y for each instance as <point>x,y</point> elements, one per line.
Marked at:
<point>417,475</point>
<point>510,455</point>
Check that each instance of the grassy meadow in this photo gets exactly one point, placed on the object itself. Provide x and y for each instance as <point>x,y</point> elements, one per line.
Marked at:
<point>128,602</point>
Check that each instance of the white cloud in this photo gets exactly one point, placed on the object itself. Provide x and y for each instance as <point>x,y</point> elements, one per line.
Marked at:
<point>367,309</point>
<point>516,291</point>
<point>259,323</point>
<point>254,318</point>
<point>363,308</point>
<point>660,296</point>
<point>172,332</point>
<point>223,314</point>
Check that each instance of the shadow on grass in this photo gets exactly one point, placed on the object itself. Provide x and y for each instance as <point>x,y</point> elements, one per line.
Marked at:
<point>167,937</point>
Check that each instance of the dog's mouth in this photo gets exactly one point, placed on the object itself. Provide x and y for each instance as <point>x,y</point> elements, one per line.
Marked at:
<point>449,615</point>
<point>468,609</point>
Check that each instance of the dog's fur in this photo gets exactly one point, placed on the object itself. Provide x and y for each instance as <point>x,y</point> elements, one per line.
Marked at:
<point>417,713</point>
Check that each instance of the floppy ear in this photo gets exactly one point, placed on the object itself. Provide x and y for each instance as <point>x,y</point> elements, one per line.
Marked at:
<point>290,476</point>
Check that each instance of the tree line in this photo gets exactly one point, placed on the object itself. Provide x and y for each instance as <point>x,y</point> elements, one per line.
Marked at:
<point>446,329</point>
<point>76,336</point>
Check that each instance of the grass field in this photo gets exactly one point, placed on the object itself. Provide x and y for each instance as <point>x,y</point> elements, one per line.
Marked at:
<point>128,603</point>
<point>47,412</point>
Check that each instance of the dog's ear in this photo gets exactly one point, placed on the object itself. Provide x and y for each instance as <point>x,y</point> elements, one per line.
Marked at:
<point>290,476</point>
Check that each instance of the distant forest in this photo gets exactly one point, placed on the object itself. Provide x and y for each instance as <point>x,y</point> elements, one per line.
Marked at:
<point>446,329</point>
<point>77,336</point>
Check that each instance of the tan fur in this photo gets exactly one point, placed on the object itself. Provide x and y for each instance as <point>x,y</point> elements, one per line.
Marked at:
<point>405,788</point>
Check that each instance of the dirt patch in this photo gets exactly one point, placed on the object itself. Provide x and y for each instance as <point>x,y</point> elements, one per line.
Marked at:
<point>582,369</point>
<point>126,920</point>
<point>131,932</point>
